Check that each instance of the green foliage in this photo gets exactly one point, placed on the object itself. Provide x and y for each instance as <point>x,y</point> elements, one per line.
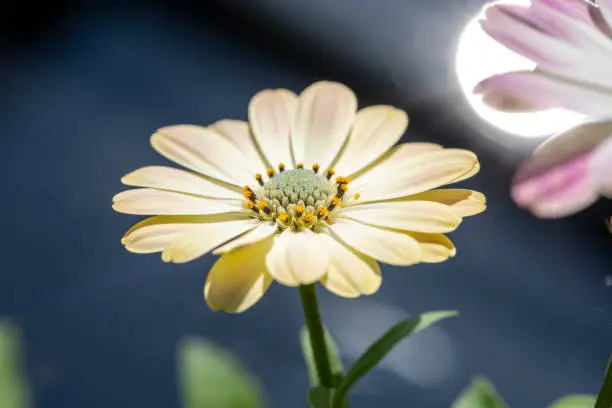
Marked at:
<point>381,347</point>
<point>212,377</point>
<point>604,400</point>
<point>480,394</point>
<point>574,401</point>
<point>320,397</point>
<point>334,357</point>
<point>14,391</point>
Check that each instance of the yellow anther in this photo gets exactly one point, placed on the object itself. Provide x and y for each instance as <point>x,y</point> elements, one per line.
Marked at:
<point>315,167</point>
<point>343,187</point>
<point>259,179</point>
<point>330,172</point>
<point>281,166</point>
<point>249,205</point>
<point>248,194</point>
<point>335,201</point>
<point>283,217</point>
<point>323,212</point>
<point>246,188</point>
<point>299,210</point>
<point>262,204</point>
<point>343,180</point>
<point>270,172</point>
<point>356,196</point>
<point>308,217</point>
<point>300,165</point>
<point>328,221</point>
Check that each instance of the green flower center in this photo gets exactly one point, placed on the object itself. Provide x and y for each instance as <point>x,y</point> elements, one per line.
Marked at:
<point>297,198</point>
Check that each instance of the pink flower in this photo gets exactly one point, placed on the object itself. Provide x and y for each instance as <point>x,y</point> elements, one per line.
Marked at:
<point>571,43</point>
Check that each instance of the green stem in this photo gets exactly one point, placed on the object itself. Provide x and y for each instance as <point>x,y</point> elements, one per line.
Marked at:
<point>308,294</point>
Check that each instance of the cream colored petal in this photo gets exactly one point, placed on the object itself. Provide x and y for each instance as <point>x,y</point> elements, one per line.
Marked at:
<point>263,230</point>
<point>205,151</point>
<point>470,173</point>
<point>386,246</point>
<point>436,247</point>
<point>463,202</point>
<point>197,243</point>
<point>350,274</point>
<point>271,114</point>
<point>239,278</point>
<point>168,178</point>
<point>149,201</point>
<point>376,130</point>
<point>238,132</point>
<point>399,177</point>
<point>325,113</point>
<point>156,233</point>
<point>297,258</point>
<point>419,216</point>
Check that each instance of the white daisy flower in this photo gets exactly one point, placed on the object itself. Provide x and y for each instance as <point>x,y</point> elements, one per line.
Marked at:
<point>309,190</point>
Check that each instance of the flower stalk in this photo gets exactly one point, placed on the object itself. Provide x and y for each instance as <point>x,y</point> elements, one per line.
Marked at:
<point>312,317</point>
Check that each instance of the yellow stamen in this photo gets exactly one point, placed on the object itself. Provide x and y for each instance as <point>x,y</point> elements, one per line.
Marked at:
<point>300,165</point>
<point>283,217</point>
<point>299,210</point>
<point>249,205</point>
<point>323,212</point>
<point>335,201</point>
<point>343,187</point>
<point>343,180</point>
<point>262,204</point>
<point>270,172</point>
<point>308,217</point>
<point>356,196</point>
<point>330,173</point>
<point>281,167</point>
<point>246,188</point>
<point>248,194</point>
<point>315,167</point>
<point>259,179</point>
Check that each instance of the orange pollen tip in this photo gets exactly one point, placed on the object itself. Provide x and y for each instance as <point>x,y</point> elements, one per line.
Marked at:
<point>315,167</point>
<point>323,212</point>
<point>283,217</point>
<point>248,195</point>
<point>335,201</point>
<point>257,176</point>
<point>308,217</point>
<point>281,166</point>
<point>300,165</point>
<point>249,205</point>
<point>262,204</point>
<point>270,172</point>
<point>343,180</point>
<point>299,209</point>
<point>246,188</point>
<point>344,187</point>
<point>331,171</point>
<point>356,196</point>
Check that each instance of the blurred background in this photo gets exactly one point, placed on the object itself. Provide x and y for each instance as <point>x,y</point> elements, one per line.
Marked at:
<point>83,84</point>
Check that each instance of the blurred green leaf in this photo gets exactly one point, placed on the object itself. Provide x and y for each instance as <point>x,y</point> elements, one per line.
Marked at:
<point>334,357</point>
<point>383,346</point>
<point>320,397</point>
<point>480,394</point>
<point>14,390</point>
<point>604,399</point>
<point>574,401</point>
<point>212,377</point>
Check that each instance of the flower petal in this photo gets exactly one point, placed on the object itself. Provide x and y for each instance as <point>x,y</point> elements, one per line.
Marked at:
<point>238,279</point>
<point>149,201</point>
<point>156,233</point>
<point>325,113</point>
<point>263,230</point>
<point>376,130</point>
<point>203,150</point>
<point>420,216</point>
<point>271,114</point>
<point>525,91</point>
<point>463,202</point>
<point>436,247</point>
<point>238,132</point>
<point>298,258</point>
<point>197,243</point>
<point>350,274</point>
<point>601,167</point>
<point>398,176</point>
<point>386,246</point>
<point>168,178</point>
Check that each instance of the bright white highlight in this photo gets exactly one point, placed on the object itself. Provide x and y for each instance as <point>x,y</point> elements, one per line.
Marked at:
<point>479,56</point>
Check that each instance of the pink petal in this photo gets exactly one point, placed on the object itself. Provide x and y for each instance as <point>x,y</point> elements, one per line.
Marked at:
<point>523,91</point>
<point>601,167</point>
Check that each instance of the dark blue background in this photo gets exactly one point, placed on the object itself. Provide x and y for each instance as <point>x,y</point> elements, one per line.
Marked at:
<point>84,85</point>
